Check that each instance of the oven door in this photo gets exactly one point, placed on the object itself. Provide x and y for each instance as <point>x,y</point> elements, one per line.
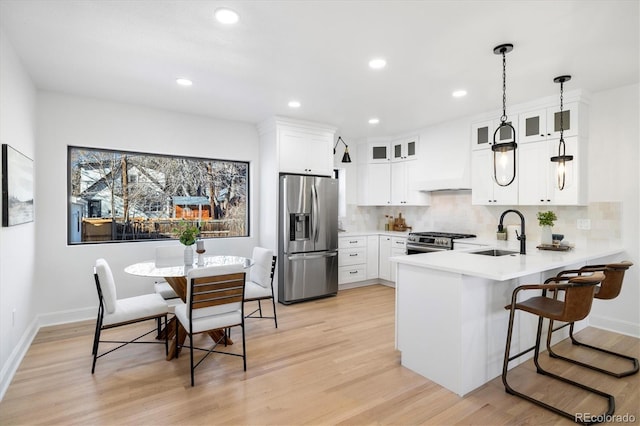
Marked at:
<point>419,249</point>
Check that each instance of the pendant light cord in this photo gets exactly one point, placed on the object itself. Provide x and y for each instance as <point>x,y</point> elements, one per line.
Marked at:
<point>504,86</point>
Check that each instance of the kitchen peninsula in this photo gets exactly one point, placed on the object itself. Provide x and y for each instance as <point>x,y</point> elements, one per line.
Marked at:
<point>451,324</point>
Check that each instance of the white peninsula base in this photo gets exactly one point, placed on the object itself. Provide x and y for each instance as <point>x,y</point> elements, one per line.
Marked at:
<point>451,326</point>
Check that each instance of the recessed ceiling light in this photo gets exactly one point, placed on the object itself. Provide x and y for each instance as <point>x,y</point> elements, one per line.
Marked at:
<point>374,120</point>
<point>294,104</point>
<point>184,81</point>
<point>459,93</point>
<point>377,63</point>
<point>226,16</point>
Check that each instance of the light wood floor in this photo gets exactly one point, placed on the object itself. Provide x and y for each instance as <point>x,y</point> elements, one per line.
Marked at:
<point>331,361</point>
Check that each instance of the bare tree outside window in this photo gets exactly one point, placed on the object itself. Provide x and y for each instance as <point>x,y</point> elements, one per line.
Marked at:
<point>129,196</point>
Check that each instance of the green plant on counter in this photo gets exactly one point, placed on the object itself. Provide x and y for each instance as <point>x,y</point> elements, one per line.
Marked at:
<point>546,218</point>
<point>187,233</point>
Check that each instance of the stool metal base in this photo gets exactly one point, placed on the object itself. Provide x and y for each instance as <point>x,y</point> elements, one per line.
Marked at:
<point>552,354</point>
<point>610,398</point>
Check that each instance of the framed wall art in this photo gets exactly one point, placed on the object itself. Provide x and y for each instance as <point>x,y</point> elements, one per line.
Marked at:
<point>17,187</point>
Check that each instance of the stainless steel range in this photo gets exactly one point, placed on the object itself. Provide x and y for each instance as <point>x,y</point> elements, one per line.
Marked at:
<point>427,242</point>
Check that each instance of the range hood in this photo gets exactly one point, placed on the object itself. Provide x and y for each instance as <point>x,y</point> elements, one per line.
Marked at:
<point>447,148</point>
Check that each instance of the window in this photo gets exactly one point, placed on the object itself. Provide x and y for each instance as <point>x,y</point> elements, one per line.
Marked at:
<point>130,196</point>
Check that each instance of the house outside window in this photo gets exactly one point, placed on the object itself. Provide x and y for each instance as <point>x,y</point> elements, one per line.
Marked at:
<point>130,196</point>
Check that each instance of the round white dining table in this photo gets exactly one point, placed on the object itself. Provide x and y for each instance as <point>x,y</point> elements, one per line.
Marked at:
<point>176,276</point>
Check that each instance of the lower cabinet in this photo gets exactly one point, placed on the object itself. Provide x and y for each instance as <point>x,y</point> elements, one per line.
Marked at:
<point>367,257</point>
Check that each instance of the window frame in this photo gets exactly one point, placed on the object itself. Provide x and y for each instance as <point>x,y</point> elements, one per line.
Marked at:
<point>199,165</point>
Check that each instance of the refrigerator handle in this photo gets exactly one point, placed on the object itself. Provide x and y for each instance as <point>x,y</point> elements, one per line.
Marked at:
<point>314,212</point>
<point>312,256</point>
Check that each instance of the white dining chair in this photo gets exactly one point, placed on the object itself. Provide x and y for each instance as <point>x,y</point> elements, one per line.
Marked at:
<point>259,286</point>
<point>214,301</point>
<point>114,312</point>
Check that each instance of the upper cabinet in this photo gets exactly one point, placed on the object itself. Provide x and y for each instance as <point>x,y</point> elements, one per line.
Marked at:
<point>538,135</point>
<point>482,132</point>
<point>305,150</point>
<point>404,149</point>
<point>378,152</point>
<point>544,123</point>
<point>390,174</point>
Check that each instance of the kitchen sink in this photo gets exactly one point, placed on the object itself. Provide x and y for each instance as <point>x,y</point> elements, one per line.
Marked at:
<point>494,252</point>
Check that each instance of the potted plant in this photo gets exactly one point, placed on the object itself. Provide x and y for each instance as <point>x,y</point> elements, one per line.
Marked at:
<point>187,234</point>
<point>546,220</point>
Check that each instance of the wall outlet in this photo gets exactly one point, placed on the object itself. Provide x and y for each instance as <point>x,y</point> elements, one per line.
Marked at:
<point>584,224</point>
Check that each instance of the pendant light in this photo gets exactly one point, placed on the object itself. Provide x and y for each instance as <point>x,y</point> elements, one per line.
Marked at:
<point>504,154</point>
<point>346,158</point>
<point>562,158</point>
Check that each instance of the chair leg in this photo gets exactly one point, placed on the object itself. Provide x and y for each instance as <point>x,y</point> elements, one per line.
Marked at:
<point>610,399</point>
<point>275,317</point>
<point>166,335</point>
<point>191,357</point>
<point>96,343</point>
<point>244,348</point>
<point>96,337</point>
<point>259,308</point>
<point>552,354</point>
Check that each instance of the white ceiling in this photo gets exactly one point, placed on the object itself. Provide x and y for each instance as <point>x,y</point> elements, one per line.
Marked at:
<point>317,52</point>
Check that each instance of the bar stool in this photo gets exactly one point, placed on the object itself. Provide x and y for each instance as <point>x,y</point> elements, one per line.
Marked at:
<point>608,289</point>
<point>578,297</point>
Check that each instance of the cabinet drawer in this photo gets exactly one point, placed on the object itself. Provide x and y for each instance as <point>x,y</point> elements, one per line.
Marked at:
<point>353,256</point>
<point>349,274</point>
<point>345,242</point>
<point>398,243</point>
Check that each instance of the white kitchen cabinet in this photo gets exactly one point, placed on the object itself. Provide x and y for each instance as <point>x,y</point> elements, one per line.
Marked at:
<point>352,259</point>
<point>374,184</point>
<point>544,123</point>
<point>484,190</point>
<point>404,183</point>
<point>389,247</point>
<point>372,257</point>
<point>482,132</point>
<point>378,152</point>
<point>404,149</point>
<point>383,182</point>
<point>398,248</point>
<point>384,265</point>
<point>538,175</point>
<point>305,151</point>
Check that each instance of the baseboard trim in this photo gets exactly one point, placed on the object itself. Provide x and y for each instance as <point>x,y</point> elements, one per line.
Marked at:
<point>10,368</point>
<point>18,353</point>
<point>616,326</point>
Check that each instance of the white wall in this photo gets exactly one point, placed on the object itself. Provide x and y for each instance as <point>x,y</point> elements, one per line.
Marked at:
<point>614,132</point>
<point>64,273</point>
<point>17,243</point>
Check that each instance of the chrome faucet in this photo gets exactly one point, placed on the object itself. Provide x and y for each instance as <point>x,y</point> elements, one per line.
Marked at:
<point>522,237</point>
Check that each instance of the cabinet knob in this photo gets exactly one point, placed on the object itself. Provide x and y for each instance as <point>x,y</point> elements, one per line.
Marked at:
<point>548,201</point>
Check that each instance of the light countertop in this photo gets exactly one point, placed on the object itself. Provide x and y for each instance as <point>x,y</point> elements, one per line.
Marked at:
<point>362,233</point>
<point>507,267</point>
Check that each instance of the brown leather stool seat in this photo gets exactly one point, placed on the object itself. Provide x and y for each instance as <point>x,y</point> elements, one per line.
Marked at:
<point>608,289</point>
<point>578,293</point>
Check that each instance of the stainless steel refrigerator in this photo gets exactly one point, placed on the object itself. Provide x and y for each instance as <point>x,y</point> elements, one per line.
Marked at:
<point>307,238</point>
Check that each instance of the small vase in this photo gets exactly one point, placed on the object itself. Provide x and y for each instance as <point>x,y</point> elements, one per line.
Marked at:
<point>545,236</point>
<point>188,255</point>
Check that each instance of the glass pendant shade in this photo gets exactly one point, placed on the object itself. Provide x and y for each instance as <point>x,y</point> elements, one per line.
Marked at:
<point>564,167</point>
<point>504,159</point>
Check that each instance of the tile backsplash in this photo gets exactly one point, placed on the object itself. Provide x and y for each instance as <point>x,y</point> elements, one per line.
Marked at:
<point>451,211</point>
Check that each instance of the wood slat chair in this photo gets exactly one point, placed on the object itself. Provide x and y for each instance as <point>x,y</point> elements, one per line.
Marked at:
<point>215,297</point>
<point>259,286</point>
<point>609,289</point>
<point>578,298</point>
<point>114,312</point>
